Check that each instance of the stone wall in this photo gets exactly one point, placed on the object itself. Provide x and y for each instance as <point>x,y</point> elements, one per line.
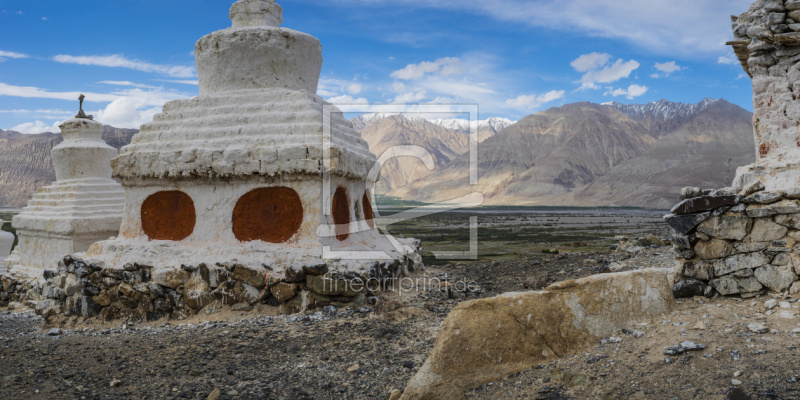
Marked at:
<point>141,293</point>
<point>730,243</point>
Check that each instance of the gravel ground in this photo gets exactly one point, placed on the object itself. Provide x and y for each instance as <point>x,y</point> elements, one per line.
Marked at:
<point>365,353</point>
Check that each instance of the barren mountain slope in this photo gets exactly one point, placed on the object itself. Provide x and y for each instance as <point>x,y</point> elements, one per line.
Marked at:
<point>25,163</point>
<point>443,145</point>
<point>548,153</point>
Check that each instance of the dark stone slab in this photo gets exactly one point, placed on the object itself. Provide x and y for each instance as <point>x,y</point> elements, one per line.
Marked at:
<point>689,288</point>
<point>683,224</point>
<point>703,203</point>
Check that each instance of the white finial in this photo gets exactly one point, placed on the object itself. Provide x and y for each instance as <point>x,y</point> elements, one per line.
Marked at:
<point>246,13</point>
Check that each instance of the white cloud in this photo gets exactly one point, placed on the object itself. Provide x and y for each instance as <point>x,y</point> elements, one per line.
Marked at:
<point>591,61</point>
<point>10,54</point>
<point>598,69</point>
<point>128,83</point>
<point>354,88</point>
<point>43,114</point>
<point>630,93</point>
<point>674,27</point>
<point>119,61</point>
<point>728,59</point>
<point>443,67</point>
<point>530,102</point>
<point>410,97</point>
<point>194,82</point>
<point>126,109</point>
<point>666,68</point>
<point>37,127</point>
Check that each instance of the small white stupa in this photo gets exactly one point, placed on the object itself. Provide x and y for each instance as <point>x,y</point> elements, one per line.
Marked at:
<point>236,175</point>
<point>83,206</point>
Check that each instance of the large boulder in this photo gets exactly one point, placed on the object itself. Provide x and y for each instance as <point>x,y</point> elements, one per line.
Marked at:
<point>487,339</point>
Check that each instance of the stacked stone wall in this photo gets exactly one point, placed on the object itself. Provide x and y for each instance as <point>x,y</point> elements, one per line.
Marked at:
<point>736,244</point>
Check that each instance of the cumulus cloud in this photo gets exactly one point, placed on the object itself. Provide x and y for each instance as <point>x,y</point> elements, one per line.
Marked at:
<point>410,97</point>
<point>630,93</point>
<point>729,58</point>
<point>354,88</point>
<point>37,127</point>
<point>666,69</point>
<point>443,67</point>
<point>120,61</point>
<point>126,109</point>
<point>10,54</point>
<point>597,68</point>
<point>591,61</point>
<point>530,102</point>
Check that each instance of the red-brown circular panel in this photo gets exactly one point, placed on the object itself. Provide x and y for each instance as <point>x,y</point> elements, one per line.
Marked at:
<point>367,207</point>
<point>168,216</point>
<point>272,215</point>
<point>341,213</point>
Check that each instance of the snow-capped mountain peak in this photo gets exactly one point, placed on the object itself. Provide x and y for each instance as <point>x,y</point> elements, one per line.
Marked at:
<point>663,109</point>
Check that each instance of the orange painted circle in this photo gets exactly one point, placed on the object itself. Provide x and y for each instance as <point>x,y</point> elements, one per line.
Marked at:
<point>272,215</point>
<point>367,207</point>
<point>168,216</point>
<point>341,213</point>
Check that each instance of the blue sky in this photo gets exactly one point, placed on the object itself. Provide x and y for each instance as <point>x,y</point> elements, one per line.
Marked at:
<point>511,57</point>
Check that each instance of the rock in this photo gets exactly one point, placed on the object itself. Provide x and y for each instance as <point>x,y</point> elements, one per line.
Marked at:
<point>536,283</point>
<point>72,286</point>
<point>295,274</point>
<point>54,332</point>
<point>682,242</point>
<point>732,227</point>
<point>739,262</point>
<point>750,247</point>
<point>756,186</point>
<point>774,6</point>
<point>316,270</point>
<point>683,224</point>
<point>171,278</point>
<point>700,326</point>
<point>762,198</point>
<point>795,15</point>
<point>283,292</point>
<point>197,294</point>
<point>788,220</point>
<point>353,368</point>
<point>214,395</point>
<point>683,347</point>
<point>520,330</point>
<point>688,288</point>
<point>395,394</point>
<point>727,286</point>
<point>254,276</point>
<point>704,203</point>
<point>770,304</point>
<point>690,192</point>
<point>756,327</point>
<point>792,5</point>
<point>781,260</point>
<point>776,278</point>
<point>712,249</point>
<point>795,289</point>
<point>698,270</point>
<point>764,230</point>
<point>114,382</point>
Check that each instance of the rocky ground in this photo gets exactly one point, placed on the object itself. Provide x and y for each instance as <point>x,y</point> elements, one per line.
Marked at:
<point>366,353</point>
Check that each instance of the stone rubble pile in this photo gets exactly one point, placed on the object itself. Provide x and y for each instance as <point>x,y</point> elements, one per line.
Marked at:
<point>729,243</point>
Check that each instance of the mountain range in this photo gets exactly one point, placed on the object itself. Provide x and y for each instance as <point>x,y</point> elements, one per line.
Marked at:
<point>587,154</point>
<point>580,154</point>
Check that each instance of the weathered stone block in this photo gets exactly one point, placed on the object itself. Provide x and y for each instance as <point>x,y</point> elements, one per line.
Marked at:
<point>732,227</point>
<point>704,203</point>
<point>197,294</point>
<point>762,198</point>
<point>283,292</point>
<point>764,230</point>
<point>750,247</point>
<point>727,286</point>
<point>788,220</point>
<point>713,249</point>
<point>776,278</point>
<point>519,330</point>
<point>171,278</point>
<point>698,270</point>
<point>688,288</point>
<point>334,287</point>
<point>684,224</point>
<point>251,275</point>
<point>739,262</point>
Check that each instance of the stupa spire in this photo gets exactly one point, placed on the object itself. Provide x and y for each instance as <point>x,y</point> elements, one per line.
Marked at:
<point>247,13</point>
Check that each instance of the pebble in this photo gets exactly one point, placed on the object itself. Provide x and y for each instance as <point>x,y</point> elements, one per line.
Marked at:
<point>736,382</point>
<point>353,368</point>
<point>756,327</point>
<point>785,304</point>
<point>55,331</point>
<point>770,304</point>
<point>614,339</point>
<point>214,395</point>
<point>700,326</point>
<point>683,347</point>
<point>114,382</point>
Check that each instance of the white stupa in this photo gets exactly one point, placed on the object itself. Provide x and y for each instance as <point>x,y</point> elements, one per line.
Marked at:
<point>83,206</point>
<point>236,174</point>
